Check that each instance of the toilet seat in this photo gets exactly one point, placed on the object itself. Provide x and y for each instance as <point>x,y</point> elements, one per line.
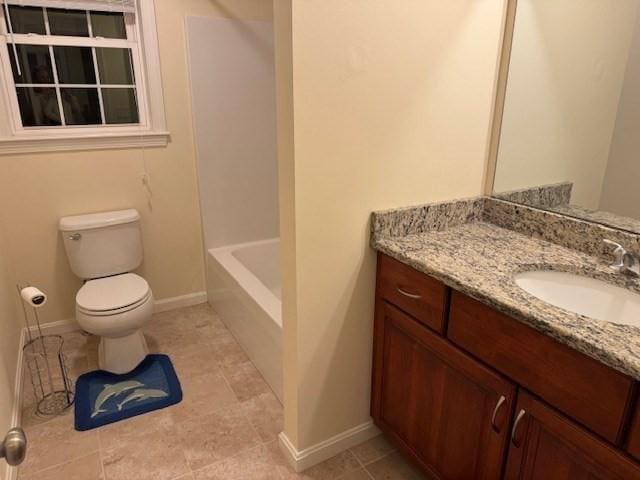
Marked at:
<point>112,295</point>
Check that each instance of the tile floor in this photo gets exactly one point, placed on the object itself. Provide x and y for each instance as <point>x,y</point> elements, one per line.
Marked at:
<point>225,428</point>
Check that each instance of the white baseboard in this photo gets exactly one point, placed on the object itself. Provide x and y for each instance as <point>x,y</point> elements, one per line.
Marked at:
<point>307,458</point>
<point>55,328</point>
<point>182,301</point>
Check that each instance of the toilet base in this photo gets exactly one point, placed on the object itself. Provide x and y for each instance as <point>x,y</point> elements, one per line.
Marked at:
<point>123,354</point>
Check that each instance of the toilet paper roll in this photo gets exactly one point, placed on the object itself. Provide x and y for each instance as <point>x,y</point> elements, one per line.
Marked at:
<point>34,297</point>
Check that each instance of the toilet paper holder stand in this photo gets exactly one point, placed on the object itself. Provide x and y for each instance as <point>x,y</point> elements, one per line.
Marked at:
<point>46,364</point>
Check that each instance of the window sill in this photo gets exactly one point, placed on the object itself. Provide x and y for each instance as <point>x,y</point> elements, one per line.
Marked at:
<point>66,143</point>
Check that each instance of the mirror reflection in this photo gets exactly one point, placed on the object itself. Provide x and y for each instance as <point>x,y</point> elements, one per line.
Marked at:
<point>569,139</point>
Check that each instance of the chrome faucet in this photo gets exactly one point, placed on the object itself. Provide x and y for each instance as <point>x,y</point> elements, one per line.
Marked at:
<point>626,262</point>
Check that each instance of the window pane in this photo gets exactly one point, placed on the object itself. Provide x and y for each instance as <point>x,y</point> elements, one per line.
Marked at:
<point>75,65</point>
<point>26,20</point>
<point>114,65</point>
<point>108,25</point>
<point>68,22</point>
<point>35,64</point>
<point>81,106</point>
<point>120,105</point>
<point>38,106</point>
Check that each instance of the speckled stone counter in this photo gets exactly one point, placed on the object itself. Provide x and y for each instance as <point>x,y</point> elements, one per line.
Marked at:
<point>480,259</point>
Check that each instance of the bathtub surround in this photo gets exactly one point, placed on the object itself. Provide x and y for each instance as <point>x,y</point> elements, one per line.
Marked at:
<point>234,120</point>
<point>365,123</point>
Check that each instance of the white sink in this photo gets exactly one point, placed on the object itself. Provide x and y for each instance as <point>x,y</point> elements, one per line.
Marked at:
<point>583,295</point>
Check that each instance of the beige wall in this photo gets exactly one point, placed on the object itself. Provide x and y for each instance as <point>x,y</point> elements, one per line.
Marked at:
<point>391,106</point>
<point>37,189</point>
<point>567,67</point>
<point>621,188</point>
<point>9,340</point>
<point>282,18</point>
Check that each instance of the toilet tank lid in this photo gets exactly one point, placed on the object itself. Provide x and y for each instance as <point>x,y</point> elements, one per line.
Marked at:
<point>98,220</point>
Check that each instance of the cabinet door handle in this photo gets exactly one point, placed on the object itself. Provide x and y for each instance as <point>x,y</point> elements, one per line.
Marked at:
<point>514,430</point>
<point>408,294</point>
<point>501,401</point>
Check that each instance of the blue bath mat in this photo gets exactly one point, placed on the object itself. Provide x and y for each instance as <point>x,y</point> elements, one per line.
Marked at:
<point>103,397</point>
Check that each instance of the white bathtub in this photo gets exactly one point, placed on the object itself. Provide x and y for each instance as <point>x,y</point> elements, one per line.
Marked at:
<point>244,287</point>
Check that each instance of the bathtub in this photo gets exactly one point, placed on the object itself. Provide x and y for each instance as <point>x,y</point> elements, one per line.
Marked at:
<point>244,287</point>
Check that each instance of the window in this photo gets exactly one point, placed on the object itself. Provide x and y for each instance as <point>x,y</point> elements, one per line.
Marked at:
<point>77,69</point>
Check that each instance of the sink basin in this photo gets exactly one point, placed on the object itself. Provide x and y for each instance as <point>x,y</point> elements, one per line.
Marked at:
<point>586,296</point>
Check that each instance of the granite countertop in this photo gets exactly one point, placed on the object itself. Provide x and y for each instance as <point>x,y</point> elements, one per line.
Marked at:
<point>480,260</point>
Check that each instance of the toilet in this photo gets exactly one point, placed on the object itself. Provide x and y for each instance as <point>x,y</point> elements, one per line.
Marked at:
<point>114,303</point>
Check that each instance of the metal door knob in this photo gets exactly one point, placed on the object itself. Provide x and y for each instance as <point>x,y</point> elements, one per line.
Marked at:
<point>14,447</point>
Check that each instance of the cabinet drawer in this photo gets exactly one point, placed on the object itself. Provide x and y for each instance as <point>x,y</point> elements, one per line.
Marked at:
<point>633,445</point>
<point>419,295</point>
<point>584,389</point>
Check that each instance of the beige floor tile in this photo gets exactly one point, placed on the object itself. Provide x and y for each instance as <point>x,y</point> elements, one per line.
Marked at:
<point>202,395</point>
<point>246,381</point>
<point>360,474</point>
<point>216,436</point>
<point>173,332</point>
<point>85,468</point>
<point>372,449</point>
<point>335,468</point>
<point>191,362</point>
<point>56,442</point>
<point>227,351</point>
<point>253,464</point>
<point>393,467</point>
<point>266,414</point>
<point>151,457</point>
<point>159,422</point>
<point>31,418</point>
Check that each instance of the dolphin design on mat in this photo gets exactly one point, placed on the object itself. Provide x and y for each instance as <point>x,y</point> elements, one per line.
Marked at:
<point>112,390</point>
<point>142,394</point>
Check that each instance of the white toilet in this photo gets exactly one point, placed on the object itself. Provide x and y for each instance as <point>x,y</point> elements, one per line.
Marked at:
<point>103,248</point>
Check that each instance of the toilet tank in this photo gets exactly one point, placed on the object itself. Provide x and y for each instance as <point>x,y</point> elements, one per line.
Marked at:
<point>103,244</point>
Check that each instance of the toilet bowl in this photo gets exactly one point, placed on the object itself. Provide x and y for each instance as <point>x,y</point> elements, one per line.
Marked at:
<point>113,303</point>
<point>116,308</point>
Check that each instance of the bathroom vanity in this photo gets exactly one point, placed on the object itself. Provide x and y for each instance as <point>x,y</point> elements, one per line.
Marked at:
<point>475,378</point>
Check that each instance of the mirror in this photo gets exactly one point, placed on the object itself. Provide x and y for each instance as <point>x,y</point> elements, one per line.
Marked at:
<point>570,134</point>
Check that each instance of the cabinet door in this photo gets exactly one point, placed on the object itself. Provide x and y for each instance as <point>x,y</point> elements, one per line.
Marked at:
<point>443,408</point>
<point>545,445</point>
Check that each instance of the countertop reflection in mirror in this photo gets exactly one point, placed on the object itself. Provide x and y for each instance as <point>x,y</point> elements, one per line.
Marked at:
<point>569,138</point>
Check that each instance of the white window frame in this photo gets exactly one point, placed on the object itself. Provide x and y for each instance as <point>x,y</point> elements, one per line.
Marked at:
<point>149,132</point>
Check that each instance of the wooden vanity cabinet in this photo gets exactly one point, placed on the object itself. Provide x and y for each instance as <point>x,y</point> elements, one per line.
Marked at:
<point>545,445</point>
<point>445,409</point>
<point>633,444</point>
<point>445,392</point>
<point>581,387</point>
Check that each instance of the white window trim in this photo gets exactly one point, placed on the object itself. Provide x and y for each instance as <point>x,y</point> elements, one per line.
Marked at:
<point>152,132</point>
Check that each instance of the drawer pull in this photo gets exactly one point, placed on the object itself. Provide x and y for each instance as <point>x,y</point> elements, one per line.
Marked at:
<point>408,294</point>
<point>514,431</point>
<point>501,401</point>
